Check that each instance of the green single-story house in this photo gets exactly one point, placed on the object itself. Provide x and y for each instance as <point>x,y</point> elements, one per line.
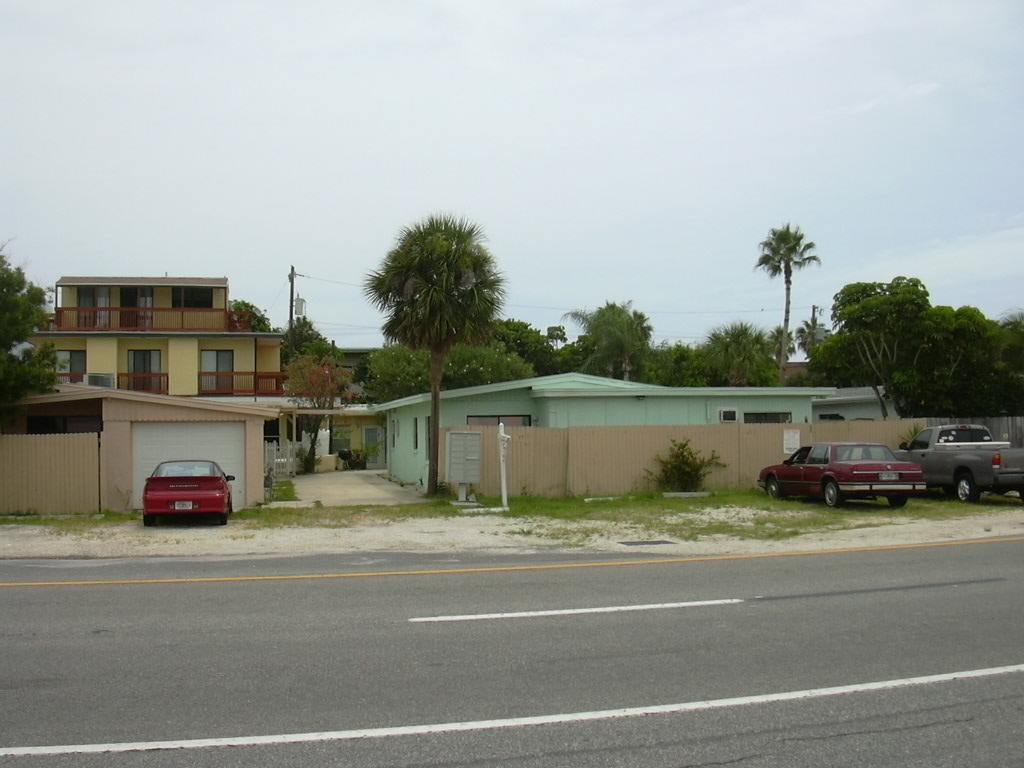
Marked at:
<point>579,400</point>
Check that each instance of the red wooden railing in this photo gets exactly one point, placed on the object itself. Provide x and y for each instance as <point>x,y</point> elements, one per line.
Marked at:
<point>241,383</point>
<point>149,319</point>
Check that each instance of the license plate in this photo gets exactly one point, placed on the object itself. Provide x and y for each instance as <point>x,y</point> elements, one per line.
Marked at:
<point>183,505</point>
<point>888,475</point>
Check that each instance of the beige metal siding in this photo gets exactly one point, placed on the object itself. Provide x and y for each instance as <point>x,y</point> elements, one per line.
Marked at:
<point>595,461</point>
<point>49,474</point>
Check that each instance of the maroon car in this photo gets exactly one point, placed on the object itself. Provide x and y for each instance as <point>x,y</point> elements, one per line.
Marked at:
<point>187,487</point>
<point>838,471</point>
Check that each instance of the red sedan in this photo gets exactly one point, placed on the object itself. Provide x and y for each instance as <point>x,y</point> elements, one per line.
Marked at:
<point>187,487</point>
<point>838,471</point>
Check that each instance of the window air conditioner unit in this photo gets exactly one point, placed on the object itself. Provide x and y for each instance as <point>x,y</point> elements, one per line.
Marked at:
<point>727,416</point>
<point>101,380</point>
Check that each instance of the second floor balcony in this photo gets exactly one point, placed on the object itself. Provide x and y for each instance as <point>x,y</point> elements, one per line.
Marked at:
<point>155,319</point>
<point>210,384</point>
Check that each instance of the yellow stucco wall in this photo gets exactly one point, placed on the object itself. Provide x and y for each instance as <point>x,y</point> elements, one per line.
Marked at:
<point>101,355</point>
<point>182,366</point>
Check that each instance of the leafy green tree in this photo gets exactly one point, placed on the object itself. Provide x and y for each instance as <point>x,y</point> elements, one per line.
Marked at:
<point>23,369</point>
<point>439,286</point>
<point>394,371</point>
<point>260,321</point>
<point>316,382</point>
<point>529,344</point>
<point>740,355</point>
<point>782,252</point>
<point>676,365</point>
<point>931,361</point>
<point>301,339</point>
<point>621,336</point>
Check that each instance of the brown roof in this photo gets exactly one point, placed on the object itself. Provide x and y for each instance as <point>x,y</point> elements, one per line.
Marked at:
<point>204,282</point>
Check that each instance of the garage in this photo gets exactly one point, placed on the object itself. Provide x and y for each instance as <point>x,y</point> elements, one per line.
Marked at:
<point>222,442</point>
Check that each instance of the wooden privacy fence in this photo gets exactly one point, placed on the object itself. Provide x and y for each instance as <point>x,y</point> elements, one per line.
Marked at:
<point>597,461</point>
<point>49,474</point>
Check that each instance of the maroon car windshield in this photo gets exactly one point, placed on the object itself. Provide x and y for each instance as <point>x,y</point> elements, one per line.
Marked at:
<point>187,469</point>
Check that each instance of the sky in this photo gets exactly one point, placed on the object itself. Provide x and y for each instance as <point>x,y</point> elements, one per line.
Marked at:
<point>633,150</point>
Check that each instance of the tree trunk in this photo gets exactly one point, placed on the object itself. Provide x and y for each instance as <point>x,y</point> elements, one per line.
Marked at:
<point>881,402</point>
<point>436,374</point>
<point>784,345</point>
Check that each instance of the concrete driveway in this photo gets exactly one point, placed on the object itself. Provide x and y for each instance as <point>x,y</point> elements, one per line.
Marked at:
<point>353,488</point>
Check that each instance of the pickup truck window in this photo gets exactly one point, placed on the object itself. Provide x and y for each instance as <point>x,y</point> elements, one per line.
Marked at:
<point>920,443</point>
<point>963,435</point>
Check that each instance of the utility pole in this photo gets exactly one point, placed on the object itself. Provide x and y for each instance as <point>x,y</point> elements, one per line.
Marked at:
<point>291,298</point>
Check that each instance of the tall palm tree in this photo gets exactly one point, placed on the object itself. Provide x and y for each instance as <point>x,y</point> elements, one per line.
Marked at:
<point>621,336</point>
<point>782,252</point>
<point>776,336</point>
<point>437,287</point>
<point>740,354</point>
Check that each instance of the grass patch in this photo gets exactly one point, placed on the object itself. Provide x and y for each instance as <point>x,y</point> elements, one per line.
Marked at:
<point>284,490</point>
<point>573,521</point>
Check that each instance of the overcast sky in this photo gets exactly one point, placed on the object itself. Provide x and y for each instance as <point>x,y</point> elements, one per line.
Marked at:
<point>611,150</point>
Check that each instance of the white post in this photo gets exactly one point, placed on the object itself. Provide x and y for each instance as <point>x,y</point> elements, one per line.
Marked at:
<point>503,440</point>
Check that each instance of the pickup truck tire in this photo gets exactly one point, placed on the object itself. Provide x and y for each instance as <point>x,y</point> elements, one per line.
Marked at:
<point>966,488</point>
<point>772,487</point>
<point>833,496</point>
<point>896,501</point>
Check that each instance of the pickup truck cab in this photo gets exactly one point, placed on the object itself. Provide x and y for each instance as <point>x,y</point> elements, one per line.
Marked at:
<point>964,460</point>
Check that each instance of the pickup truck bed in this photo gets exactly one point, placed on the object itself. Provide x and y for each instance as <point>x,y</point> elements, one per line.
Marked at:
<point>965,461</point>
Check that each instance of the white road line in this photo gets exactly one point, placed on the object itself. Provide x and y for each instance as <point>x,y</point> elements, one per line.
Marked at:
<point>516,722</point>
<point>574,611</point>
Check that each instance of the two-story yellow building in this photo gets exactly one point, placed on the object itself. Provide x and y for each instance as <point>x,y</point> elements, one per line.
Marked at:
<point>165,335</point>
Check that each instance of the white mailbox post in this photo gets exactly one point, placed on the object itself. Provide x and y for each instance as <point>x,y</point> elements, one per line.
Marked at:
<point>464,451</point>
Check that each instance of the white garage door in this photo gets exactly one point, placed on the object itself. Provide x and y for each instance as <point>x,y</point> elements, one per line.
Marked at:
<point>223,442</point>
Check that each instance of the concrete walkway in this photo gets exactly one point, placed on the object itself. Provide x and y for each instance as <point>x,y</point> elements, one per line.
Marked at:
<point>352,488</point>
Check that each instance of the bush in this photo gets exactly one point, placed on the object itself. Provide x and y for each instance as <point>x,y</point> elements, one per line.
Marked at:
<point>684,469</point>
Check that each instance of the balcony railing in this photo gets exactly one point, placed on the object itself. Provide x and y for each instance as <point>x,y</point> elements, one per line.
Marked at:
<point>271,384</point>
<point>108,319</point>
<point>143,382</point>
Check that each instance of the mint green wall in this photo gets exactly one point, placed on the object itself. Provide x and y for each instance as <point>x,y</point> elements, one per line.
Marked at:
<point>664,411</point>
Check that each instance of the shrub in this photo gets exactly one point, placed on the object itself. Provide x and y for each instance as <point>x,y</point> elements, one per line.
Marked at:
<point>684,469</point>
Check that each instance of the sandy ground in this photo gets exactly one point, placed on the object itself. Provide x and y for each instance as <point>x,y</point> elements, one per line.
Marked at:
<point>478,533</point>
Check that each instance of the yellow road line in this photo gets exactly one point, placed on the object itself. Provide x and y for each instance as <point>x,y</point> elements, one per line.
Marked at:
<point>507,568</point>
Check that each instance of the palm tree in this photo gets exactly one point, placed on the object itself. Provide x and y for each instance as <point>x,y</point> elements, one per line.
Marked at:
<point>438,287</point>
<point>621,336</point>
<point>1012,352</point>
<point>777,334</point>
<point>740,354</point>
<point>810,334</point>
<point>782,252</point>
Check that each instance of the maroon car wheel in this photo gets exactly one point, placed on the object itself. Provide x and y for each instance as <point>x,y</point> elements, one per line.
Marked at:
<point>832,494</point>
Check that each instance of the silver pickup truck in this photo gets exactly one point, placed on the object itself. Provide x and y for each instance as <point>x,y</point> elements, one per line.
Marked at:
<point>964,460</point>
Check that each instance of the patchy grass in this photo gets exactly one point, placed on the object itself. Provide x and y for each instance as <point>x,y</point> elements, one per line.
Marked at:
<point>284,491</point>
<point>574,521</point>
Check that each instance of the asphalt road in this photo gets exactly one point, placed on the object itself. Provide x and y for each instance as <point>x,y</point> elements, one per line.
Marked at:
<point>413,660</point>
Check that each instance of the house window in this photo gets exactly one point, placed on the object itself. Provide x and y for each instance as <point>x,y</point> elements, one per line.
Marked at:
<point>217,367</point>
<point>415,433</point>
<point>71,365</point>
<point>768,418</point>
<point>191,297</point>
<point>144,369</point>
<point>493,421</point>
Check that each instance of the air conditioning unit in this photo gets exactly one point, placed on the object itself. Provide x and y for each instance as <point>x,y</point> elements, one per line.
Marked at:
<point>727,416</point>
<point>101,380</point>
